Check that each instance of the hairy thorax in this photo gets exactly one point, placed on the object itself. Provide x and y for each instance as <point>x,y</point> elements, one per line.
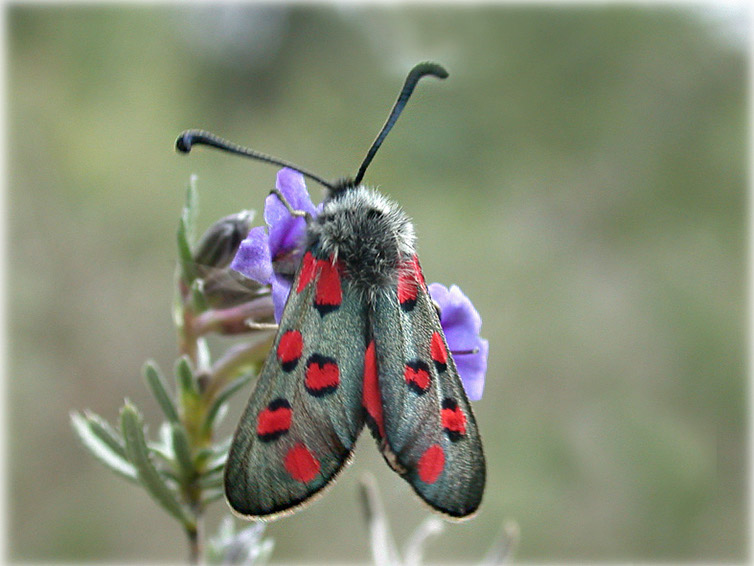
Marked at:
<point>368,233</point>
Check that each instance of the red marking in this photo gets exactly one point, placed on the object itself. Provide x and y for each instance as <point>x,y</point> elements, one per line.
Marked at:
<point>437,349</point>
<point>408,289</point>
<point>322,373</point>
<point>431,464</point>
<point>409,281</point>
<point>274,420</point>
<point>308,265</point>
<point>289,348</point>
<point>301,464</point>
<point>328,285</point>
<point>417,270</point>
<point>371,398</point>
<point>418,376</point>
<point>453,420</point>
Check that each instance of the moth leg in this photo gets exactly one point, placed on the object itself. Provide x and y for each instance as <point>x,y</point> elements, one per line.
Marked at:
<point>261,325</point>
<point>464,352</point>
<point>293,212</point>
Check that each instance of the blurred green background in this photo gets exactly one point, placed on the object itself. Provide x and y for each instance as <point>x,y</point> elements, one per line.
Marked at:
<point>581,175</point>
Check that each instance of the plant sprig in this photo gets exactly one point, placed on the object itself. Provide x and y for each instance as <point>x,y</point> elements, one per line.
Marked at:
<point>182,470</point>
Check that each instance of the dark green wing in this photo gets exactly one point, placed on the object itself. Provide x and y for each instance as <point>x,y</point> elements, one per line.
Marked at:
<point>304,415</point>
<point>430,433</point>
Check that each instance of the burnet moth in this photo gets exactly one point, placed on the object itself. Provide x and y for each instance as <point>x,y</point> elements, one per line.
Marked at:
<point>359,342</point>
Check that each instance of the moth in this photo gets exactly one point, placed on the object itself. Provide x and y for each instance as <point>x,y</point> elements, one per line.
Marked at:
<point>359,342</point>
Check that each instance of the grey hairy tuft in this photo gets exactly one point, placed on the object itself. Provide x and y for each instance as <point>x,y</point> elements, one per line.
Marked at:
<point>369,233</point>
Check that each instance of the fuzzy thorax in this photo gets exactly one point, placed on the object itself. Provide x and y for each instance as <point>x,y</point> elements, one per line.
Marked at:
<point>368,233</point>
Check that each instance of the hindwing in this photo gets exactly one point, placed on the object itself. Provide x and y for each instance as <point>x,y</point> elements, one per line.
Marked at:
<point>428,432</point>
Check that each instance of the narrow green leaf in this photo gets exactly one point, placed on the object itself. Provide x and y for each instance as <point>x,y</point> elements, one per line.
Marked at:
<point>222,398</point>
<point>203,355</point>
<point>198,298</point>
<point>185,255</point>
<point>187,232</point>
<point>165,443</point>
<point>218,418</point>
<point>161,451</point>
<point>106,433</point>
<point>212,458</point>
<point>212,495</point>
<point>182,451</point>
<point>218,464</point>
<point>221,447</point>
<point>185,377</point>
<point>136,447</point>
<point>101,448</point>
<point>211,481</point>
<point>159,388</point>
<point>191,208</point>
<point>203,454</point>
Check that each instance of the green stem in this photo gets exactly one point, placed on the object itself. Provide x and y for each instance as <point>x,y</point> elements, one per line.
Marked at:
<point>196,544</point>
<point>188,338</point>
<point>192,495</point>
<point>234,360</point>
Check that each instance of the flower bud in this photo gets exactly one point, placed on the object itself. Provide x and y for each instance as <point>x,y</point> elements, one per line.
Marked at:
<point>220,242</point>
<point>222,286</point>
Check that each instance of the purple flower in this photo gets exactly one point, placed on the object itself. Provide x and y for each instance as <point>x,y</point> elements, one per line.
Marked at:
<point>461,323</point>
<point>270,255</point>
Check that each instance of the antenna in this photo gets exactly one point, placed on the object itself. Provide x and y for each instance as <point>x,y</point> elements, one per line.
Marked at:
<point>190,138</point>
<point>419,71</point>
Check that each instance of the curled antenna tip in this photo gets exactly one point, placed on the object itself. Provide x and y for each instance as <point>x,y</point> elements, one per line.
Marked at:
<point>185,141</point>
<point>431,68</point>
<point>414,76</point>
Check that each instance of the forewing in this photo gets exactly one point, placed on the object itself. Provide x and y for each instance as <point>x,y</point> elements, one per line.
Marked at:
<point>304,415</point>
<point>431,435</point>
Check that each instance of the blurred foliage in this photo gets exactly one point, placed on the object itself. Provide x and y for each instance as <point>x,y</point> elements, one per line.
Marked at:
<point>581,175</point>
<point>182,470</point>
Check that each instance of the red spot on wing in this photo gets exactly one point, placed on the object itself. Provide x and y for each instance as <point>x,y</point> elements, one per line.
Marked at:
<point>274,421</point>
<point>431,464</point>
<point>289,349</point>
<point>371,398</point>
<point>416,373</point>
<point>416,268</point>
<point>409,281</point>
<point>301,464</point>
<point>322,375</point>
<point>453,419</point>
<point>438,352</point>
<point>329,294</point>
<point>308,265</point>
<point>407,290</point>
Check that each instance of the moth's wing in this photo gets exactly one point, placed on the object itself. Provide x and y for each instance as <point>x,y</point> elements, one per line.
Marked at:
<point>430,434</point>
<point>304,415</point>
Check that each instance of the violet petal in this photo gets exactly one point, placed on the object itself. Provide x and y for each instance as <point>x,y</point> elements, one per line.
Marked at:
<point>281,288</point>
<point>253,258</point>
<point>473,368</point>
<point>461,324</point>
<point>287,232</point>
